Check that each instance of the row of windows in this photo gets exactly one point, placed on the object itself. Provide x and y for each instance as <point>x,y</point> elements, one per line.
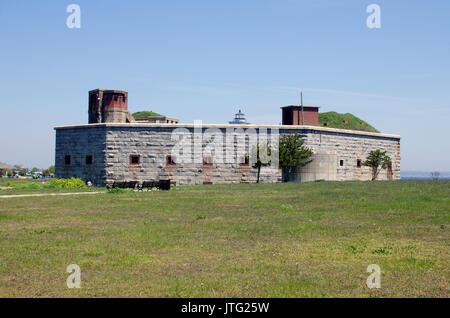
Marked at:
<point>170,160</point>
<point>358,163</point>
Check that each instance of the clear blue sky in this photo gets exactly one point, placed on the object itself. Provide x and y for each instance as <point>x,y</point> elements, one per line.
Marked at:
<point>206,59</point>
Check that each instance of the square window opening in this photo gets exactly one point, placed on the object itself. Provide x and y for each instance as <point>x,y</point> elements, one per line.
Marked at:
<point>170,160</point>
<point>207,161</point>
<point>135,159</point>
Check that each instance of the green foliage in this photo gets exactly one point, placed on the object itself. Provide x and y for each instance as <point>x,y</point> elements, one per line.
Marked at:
<point>293,153</point>
<point>375,159</point>
<point>49,171</point>
<point>35,186</point>
<point>68,183</point>
<point>23,172</point>
<point>34,169</point>
<point>9,173</point>
<point>144,114</point>
<point>385,250</point>
<point>286,207</point>
<point>336,120</point>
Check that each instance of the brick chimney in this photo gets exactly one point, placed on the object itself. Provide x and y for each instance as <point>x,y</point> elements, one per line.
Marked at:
<point>300,115</point>
<point>108,106</point>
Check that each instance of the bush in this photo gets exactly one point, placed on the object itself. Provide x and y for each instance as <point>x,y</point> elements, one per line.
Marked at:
<point>68,183</point>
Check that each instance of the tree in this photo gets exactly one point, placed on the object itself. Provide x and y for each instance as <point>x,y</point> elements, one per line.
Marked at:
<point>49,171</point>
<point>293,153</point>
<point>23,172</point>
<point>34,170</point>
<point>262,154</point>
<point>375,159</point>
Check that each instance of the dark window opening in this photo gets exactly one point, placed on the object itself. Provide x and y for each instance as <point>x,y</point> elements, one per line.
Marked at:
<point>170,160</point>
<point>207,161</point>
<point>67,160</point>
<point>207,182</point>
<point>341,163</point>
<point>135,159</point>
<point>245,161</point>
<point>358,163</point>
<point>89,159</point>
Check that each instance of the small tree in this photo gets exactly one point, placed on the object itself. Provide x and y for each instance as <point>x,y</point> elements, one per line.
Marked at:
<point>293,153</point>
<point>375,159</point>
<point>262,154</point>
<point>49,171</point>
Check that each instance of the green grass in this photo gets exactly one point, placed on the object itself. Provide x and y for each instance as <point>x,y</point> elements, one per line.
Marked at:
<point>32,186</point>
<point>336,120</point>
<point>4,181</point>
<point>144,114</point>
<point>242,240</point>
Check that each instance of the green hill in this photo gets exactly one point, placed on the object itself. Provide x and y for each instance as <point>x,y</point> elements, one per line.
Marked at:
<point>144,114</point>
<point>336,120</point>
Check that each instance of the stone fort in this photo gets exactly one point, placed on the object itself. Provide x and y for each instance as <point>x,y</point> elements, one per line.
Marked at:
<point>115,147</point>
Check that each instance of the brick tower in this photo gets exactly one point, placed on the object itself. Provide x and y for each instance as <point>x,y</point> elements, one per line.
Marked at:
<point>108,106</point>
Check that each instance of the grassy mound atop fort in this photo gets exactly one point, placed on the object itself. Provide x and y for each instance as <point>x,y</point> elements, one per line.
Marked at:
<point>145,114</point>
<point>344,121</point>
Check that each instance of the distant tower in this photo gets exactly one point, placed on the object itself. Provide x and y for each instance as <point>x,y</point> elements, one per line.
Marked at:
<point>108,106</point>
<point>239,118</point>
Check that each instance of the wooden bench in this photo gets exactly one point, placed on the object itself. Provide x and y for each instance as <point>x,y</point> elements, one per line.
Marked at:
<point>161,184</point>
<point>123,185</point>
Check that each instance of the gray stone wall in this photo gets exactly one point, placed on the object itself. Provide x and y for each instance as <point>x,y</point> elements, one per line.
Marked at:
<point>330,147</point>
<point>79,143</point>
<point>153,145</point>
<point>112,145</point>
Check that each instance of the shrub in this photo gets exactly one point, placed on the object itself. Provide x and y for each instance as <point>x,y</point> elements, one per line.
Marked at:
<point>68,183</point>
<point>286,207</point>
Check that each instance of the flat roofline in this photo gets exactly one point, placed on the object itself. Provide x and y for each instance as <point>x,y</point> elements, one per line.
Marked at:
<point>299,106</point>
<point>292,127</point>
<point>105,90</point>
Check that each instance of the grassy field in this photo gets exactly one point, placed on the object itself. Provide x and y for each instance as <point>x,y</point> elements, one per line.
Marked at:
<point>243,240</point>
